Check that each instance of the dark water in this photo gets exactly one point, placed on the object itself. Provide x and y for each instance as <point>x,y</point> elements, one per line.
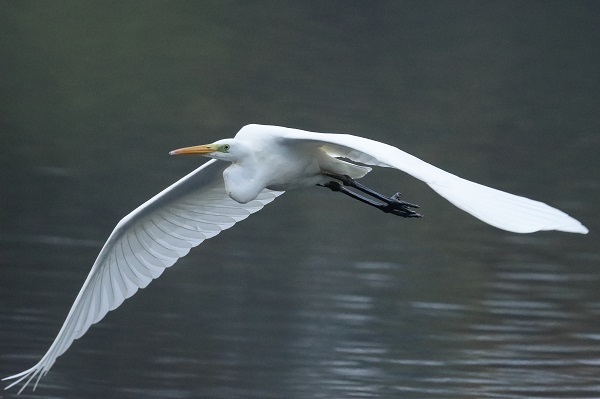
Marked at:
<point>316,296</point>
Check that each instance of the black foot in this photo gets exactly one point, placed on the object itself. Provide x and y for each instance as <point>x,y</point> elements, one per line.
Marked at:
<point>400,208</point>
<point>393,204</point>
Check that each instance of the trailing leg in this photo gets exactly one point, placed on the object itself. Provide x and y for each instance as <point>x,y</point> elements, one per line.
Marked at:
<point>384,203</point>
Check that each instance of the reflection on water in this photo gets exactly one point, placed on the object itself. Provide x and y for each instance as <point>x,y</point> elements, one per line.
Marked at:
<point>327,328</point>
<point>315,296</point>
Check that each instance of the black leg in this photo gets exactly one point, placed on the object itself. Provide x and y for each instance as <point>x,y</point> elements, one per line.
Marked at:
<point>391,204</point>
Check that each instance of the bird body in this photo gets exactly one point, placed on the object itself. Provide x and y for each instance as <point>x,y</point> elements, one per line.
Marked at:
<point>246,173</point>
<point>262,158</point>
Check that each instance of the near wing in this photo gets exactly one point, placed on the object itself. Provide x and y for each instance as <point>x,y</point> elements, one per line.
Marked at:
<point>497,208</point>
<point>143,244</point>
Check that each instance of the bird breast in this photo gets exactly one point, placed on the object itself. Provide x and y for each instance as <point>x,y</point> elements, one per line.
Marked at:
<point>280,170</point>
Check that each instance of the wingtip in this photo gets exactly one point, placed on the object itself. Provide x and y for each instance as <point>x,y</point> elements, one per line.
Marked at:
<point>576,228</point>
<point>572,225</point>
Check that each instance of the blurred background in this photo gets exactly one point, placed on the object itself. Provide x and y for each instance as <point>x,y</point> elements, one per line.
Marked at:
<point>317,295</point>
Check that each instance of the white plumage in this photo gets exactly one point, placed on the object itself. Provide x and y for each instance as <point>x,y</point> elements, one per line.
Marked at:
<point>265,160</point>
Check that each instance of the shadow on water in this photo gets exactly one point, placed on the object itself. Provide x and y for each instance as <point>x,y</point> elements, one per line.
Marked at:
<point>316,296</point>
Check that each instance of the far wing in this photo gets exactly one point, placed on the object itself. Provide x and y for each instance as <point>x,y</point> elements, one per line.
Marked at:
<point>143,244</point>
<point>497,208</point>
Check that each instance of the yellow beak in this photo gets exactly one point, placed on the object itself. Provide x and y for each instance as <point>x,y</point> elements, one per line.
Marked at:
<point>198,149</point>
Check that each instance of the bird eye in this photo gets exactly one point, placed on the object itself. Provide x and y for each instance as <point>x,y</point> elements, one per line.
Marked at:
<point>226,147</point>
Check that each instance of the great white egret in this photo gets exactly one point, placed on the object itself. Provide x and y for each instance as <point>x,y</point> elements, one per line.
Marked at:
<point>246,173</point>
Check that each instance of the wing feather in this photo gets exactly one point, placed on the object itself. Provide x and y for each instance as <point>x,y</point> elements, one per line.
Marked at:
<point>143,244</point>
<point>497,208</point>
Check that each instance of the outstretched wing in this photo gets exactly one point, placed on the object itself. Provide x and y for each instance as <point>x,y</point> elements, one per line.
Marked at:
<point>148,240</point>
<point>497,208</point>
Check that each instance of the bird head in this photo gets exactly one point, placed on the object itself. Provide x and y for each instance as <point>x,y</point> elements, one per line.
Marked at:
<point>225,149</point>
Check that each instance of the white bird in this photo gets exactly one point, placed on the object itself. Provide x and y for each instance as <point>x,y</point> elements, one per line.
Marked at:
<point>246,173</point>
